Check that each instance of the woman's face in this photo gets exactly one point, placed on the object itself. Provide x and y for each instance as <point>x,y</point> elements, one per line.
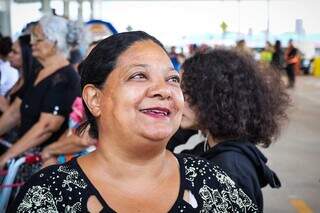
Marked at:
<point>142,95</point>
<point>189,119</point>
<point>15,56</point>
<point>42,48</point>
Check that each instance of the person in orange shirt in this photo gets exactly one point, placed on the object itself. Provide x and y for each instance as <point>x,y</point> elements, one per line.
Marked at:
<point>292,60</point>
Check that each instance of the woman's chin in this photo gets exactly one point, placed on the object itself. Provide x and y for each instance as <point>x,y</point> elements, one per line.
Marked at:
<point>34,53</point>
<point>159,134</point>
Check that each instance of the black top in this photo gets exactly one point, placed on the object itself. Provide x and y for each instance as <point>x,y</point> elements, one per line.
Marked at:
<point>66,188</point>
<point>244,163</point>
<point>30,71</point>
<point>180,137</point>
<point>278,59</point>
<point>54,95</point>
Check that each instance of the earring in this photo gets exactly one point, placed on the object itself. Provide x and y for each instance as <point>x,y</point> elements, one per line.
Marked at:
<point>205,145</point>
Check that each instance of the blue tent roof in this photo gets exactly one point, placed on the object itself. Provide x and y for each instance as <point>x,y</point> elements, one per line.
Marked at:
<point>108,24</point>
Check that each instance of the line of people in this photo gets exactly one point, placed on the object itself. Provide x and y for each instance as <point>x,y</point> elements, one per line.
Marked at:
<point>288,60</point>
<point>132,103</point>
<point>48,90</point>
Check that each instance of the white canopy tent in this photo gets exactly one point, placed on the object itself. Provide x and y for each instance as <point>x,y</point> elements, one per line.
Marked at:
<point>5,12</point>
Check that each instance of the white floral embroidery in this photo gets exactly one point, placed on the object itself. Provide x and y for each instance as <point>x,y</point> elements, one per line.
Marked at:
<point>54,192</point>
<point>72,178</point>
<point>228,199</point>
<point>191,173</point>
<point>73,209</point>
<point>212,200</point>
<point>236,195</point>
<point>223,178</point>
<point>213,191</point>
<point>39,198</point>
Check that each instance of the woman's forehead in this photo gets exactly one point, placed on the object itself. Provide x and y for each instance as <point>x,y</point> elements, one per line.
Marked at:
<point>16,44</point>
<point>38,30</point>
<point>142,51</point>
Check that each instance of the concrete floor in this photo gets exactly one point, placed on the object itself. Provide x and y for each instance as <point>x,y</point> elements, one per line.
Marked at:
<point>295,157</point>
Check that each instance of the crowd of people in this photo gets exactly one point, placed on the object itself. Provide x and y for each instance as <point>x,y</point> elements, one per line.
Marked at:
<point>128,122</point>
<point>285,60</point>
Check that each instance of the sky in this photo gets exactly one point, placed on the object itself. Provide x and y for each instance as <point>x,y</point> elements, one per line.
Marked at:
<point>171,21</point>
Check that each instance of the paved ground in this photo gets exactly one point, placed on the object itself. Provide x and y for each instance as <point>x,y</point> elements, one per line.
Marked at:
<point>296,155</point>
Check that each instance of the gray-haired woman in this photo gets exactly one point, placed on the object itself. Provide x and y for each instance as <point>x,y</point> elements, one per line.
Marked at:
<point>44,108</point>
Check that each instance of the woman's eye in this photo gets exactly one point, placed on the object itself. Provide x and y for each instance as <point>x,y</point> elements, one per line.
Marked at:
<point>175,79</point>
<point>138,76</point>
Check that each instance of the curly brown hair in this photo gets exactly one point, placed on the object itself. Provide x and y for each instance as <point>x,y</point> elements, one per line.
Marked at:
<point>234,97</point>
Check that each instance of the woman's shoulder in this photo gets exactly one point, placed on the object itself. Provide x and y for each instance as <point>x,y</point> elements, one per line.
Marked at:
<point>66,75</point>
<point>213,187</point>
<point>55,188</point>
<point>199,169</point>
<point>68,174</point>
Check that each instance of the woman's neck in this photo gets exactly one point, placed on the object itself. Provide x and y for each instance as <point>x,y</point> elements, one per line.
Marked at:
<point>51,65</point>
<point>132,162</point>
<point>211,141</point>
<point>54,60</point>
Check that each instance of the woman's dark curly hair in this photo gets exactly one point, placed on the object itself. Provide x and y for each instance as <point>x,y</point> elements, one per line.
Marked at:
<point>234,97</point>
<point>101,61</point>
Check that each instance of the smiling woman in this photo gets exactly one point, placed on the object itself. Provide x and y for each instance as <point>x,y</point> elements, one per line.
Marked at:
<point>134,104</point>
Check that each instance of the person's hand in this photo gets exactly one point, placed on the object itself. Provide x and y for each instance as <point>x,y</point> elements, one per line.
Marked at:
<point>86,142</point>
<point>3,160</point>
<point>49,162</point>
<point>46,154</point>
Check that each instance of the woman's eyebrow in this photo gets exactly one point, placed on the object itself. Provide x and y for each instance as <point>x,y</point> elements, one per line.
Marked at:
<point>137,65</point>
<point>171,69</point>
<point>130,66</point>
<point>127,68</point>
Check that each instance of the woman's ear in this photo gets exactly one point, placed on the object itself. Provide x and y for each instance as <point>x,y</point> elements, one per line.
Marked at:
<point>91,96</point>
<point>54,48</point>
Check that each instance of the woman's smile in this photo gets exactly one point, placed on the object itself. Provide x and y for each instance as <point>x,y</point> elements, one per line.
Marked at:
<point>156,112</point>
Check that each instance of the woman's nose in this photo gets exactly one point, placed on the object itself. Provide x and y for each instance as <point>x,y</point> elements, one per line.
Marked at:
<point>160,89</point>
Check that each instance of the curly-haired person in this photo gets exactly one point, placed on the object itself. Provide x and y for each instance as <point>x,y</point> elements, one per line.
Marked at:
<point>237,106</point>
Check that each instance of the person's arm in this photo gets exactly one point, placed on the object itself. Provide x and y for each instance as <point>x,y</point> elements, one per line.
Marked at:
<point>11,117</point>
<point>38,133</point>
<point>14,91</point>
<point>68,144</point>
<point>4,104</point>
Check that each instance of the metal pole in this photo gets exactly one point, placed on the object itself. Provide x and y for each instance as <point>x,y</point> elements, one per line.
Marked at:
<point>268,20</point>
<point>98,14</point>
<point>46,9</point>
<point>66,8</point>
<point>239,18</point>
<point>91,9</point>
<point>80,14</point>
<point>6,18</point>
